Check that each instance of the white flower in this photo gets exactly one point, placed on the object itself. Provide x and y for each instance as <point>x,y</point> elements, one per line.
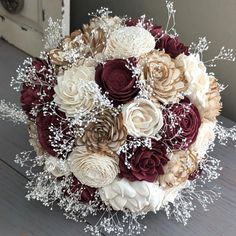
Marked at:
<point>206,135</point>
<point>142,118</point>
<point>198,79</point>
<point>128,42</point>
<point>137,196</point>
<point>92,169</point>
<point>56,166</point>
<point>74,90</point>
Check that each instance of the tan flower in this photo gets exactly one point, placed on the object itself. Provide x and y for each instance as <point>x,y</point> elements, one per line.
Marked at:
<point>105,135</point>
<point>142,118</point>
<point>160,73</point>
<point>178,169</point>
<point>214,105</point>
<point>92,169</point>
<point>34,142</point>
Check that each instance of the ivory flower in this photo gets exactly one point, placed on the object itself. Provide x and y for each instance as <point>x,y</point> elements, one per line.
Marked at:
<point>92,169</point>
<point>142,118</point>
<point>128,42</point>
<point>197,77</point>
<point>138,196</point>
<point>74,90</point>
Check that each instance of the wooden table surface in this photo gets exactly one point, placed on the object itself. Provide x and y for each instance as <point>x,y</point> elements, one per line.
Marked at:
<point>19,217</point>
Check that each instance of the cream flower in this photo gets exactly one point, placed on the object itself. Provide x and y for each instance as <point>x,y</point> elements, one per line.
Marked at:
<point>74,90</point>
<point>92,169</point>
<point>206,135</point>
<point>142,118</point>
<point>137,196</point>
<point>56,166</point>
<point>198,79</point>
<point>128,42</point>
<point>160,73</point>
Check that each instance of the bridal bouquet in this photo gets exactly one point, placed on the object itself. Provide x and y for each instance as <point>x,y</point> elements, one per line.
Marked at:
<point>122,117</point>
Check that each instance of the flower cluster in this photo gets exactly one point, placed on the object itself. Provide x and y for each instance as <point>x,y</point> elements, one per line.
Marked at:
<point>124,111</point>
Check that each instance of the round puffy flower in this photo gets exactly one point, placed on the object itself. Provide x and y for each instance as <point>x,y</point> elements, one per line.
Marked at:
<point>106,134</point>
<point>213,106</point>
<point>117,81</point>
<point>128,42</point>
<point>142,118</point>
<point>171,45</point>
<point>46,136</point>
<point>198,80</point>
<point>92,169</point>
<point>73,92</point>
<point>138,196</point>
<point>34,97</point>
<point>160,73</point>
<point>57,167</point>
<point>178,169</point>
<point>86,193</point>
<point>143,163</point>
<point>206,135</point>
<point>181,124</point>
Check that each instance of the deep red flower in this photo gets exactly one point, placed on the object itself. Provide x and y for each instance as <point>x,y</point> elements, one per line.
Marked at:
<point>47,137</point>
<point>117,80</point>
<point>145,164</point>
<point>36,92</point>
<point>87,193</point>
<point>171,45</point>
<point>181,124</point>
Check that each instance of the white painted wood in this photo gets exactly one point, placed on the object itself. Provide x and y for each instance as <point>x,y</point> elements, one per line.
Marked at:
<point>26,29</point>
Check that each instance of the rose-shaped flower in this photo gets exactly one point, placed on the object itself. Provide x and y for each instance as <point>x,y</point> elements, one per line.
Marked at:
<point>198,80</point>
<point>206,135</point>
<point>117,81</point>
<point>128,42</point>
<point>138,196</point>
<point>142,118</point>
<point>105,135</point>
<point>142,163</point>
<point>160,73</point>
<point>92,169</point>
<point>74,91</point>
<point>47,125</point>
<point>181,124</point>
<point>83,192</point>
<point>178,169</point>
<point>40,93</point>
<point>171,45</point>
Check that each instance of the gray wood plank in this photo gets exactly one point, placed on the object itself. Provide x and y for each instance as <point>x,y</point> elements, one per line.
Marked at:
<point>19,217</point>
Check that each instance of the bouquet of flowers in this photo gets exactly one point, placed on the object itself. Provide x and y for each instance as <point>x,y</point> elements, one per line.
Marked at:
<point>122,117</point>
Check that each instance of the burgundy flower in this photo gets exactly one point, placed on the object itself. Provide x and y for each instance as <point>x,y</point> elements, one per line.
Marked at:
<point>181,124</point>
<point>145,164</point>
<point>195,174</point>
<point>87,193</point>
<point>117,80</point>
<point>47,138</point>
<point>171,45</point>
<point>40,93</point>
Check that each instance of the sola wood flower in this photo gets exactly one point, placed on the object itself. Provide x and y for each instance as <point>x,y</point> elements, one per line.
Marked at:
<point>142,118</point>
<point>93,169</point>
<point>160,73</point>
<point>138,196</point>
<point>214,105</point>
<point>105,135</point>
<point>178,169</point>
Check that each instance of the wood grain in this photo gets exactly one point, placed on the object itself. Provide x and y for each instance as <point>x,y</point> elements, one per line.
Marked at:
<point>21,218</point>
